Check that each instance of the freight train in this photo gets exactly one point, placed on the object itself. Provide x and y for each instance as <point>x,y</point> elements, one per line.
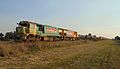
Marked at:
<point>33,31</point>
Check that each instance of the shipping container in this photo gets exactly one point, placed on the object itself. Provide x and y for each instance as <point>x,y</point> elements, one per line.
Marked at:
<point>69,33</point>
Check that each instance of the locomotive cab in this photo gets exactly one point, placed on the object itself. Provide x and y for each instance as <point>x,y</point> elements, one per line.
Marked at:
<point>22,28</point>
<point>27,29</point>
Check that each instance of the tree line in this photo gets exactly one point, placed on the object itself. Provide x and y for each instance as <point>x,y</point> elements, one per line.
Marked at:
<point>117,38</point>
<point>8,36</point>
<point>13,36</point>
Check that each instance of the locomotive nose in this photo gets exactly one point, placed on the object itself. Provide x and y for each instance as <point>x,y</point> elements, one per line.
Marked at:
<point>21,30</point>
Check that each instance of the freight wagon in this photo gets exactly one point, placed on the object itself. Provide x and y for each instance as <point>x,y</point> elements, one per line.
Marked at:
<point>34,31</point>
<point>67,34</point>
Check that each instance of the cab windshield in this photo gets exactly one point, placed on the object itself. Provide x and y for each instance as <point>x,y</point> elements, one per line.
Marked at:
<point>24,23</point>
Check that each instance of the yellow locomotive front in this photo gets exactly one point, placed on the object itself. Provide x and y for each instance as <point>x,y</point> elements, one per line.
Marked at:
<point>25,29</point>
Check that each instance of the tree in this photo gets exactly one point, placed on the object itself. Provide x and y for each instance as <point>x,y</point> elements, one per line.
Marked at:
<point>94,37</point>
<point>89,36</point>
<point>1,35</point>
<point>9,35</point>
<point>117,38</point>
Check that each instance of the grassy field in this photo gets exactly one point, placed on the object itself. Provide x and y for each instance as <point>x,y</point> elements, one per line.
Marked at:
<point>63,55</point>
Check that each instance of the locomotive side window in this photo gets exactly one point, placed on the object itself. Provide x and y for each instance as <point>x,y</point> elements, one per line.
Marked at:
<point>40,27</point>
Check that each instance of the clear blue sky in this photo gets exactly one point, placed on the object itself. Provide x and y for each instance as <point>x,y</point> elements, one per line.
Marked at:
<point>100,17</point>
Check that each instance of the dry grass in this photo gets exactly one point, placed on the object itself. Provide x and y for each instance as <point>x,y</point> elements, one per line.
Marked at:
<point>8,49</point>
<point>66,55</point>
<point>99,55</point>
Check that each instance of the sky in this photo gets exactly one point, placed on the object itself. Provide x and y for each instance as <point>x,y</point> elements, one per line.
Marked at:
<point>99,17</point>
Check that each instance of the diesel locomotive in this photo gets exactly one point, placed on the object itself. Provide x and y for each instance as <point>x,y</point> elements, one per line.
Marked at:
<point>33,31</point>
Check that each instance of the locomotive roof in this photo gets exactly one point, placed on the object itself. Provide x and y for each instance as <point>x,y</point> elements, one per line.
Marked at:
<point>41,24</point>
<point>29,22</point>
<point>66,29</point>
